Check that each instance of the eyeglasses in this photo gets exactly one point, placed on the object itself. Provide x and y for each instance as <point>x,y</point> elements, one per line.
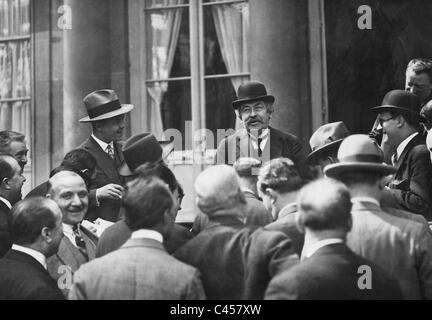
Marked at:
<point>381,121</point>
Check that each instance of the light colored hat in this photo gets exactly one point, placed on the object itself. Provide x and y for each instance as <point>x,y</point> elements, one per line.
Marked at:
<point>104,104</point>
<point>328,137</point>
<point>359,152</point>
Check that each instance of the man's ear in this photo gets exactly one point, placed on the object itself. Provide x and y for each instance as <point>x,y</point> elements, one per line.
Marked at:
<point>46,234</point>
<point>272,194</point>
<point>5,184</point>
<point>237,112</point>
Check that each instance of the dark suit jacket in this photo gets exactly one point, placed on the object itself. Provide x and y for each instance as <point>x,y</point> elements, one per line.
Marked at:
<point>280,144</point>
<point>5,222</point>
<point>106,173</point>
<point>24,278</point>
<point>69,255</point>
<point>140,270</point>
<point>412,182</point>
<point>288,225</point>
<point>117,235</point>
<point>332,274</point>
<point>235,260</point>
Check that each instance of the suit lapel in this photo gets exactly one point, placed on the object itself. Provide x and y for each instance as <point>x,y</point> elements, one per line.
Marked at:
<point>68,254</point>
<point>90,246</point>
<point>104,160</point>
<point>418,139</point>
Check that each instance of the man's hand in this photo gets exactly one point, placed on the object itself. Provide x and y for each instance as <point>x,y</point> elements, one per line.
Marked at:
<point>110,191</point>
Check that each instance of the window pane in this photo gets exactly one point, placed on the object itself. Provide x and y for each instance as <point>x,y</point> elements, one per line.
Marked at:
<point>220,114</point>
<point>226,31</point>
<point>173,102</point>
<point>164,3</point>
<point>14,18</point>
<point>168,39</point>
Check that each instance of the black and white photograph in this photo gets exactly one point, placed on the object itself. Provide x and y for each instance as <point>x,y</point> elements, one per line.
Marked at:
<point>230,151</point>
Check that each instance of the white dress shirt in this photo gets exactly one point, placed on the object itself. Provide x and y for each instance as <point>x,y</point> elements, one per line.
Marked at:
<point>6,202</point>
<point>401,147</point>
<point>103,144</point>
<point>309,251</point>
<point>264,136</point>
<point>35,254</point>
<point>147,234</point>
<point>68,232</point>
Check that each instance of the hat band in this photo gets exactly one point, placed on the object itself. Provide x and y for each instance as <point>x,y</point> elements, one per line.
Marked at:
<point>104,108</point>
<point>362,158</point>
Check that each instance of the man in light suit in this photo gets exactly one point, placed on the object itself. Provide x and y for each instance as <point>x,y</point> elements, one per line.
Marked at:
<point>400,246</point>
<point>11,182</point>
<point>329,269</point>
<point>237,261</point>
<point>141,269</point>
<point>36,233</point>
<point>257,139</point>
<point>69,191</point>
<point>107,117</point>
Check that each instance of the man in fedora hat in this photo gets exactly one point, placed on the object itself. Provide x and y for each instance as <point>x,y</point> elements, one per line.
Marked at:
<point>257,139</point>
<point>400,246</point>
<point>400,120</point>
<point>107,117</point>
<point>325,143</point>
<point>141,149</point>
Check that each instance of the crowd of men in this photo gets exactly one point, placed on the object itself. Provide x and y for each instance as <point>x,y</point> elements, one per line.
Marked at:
<point>347,220</point>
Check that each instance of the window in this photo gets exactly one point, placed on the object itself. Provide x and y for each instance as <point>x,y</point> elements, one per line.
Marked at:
<point>196,57</point>
<point>15,69</point>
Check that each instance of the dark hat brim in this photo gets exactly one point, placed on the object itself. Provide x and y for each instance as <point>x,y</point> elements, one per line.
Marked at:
<point>237,103</point>
<point>125,108</point>
<point>379,109</point>
<point>334,170</point>
<point>314,155</point>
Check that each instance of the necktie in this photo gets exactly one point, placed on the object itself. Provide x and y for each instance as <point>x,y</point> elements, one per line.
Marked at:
<point>110,152</point>
<point>79,241</point>
<point>259,146</point>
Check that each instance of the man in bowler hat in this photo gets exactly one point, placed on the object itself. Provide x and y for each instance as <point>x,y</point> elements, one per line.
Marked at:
<point>107,117</point>
<point>400,119</point>
<point>257,139</point>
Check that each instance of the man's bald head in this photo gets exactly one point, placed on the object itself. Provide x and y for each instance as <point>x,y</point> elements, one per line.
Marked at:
<point>218,188</point>
<point>69,190</point>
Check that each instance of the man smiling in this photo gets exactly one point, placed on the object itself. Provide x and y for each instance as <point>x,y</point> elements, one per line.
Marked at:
<point>69,191</point>
<point>258,140</point>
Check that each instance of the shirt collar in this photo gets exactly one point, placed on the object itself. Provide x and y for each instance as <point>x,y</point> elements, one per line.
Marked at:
<point>102,144</point>
<point>148,234</point>
<point>401,147</point>
<point>287,210</point>
<point>264,134</point>
<point>365,199</point>
<point>308,252</point>
<point>39,256</point>
<point>6,202</point>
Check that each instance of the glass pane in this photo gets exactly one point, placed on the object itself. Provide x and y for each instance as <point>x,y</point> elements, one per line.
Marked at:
<point>14,18</point>
<point>220,94</point>
<point>164,3</point>
<point>169,104</point>
<point>168,44</point>
<point>226,32</point>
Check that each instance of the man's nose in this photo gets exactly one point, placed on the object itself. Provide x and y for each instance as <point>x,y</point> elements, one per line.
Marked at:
<point>76,200</point>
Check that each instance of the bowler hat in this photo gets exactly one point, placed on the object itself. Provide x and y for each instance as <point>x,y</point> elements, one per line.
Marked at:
<point>138,150</point>
<point>326,139</point>
<point>403,102</point>
<point>359,152</point>
<point>104,104</point>
<point>252,91</point>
